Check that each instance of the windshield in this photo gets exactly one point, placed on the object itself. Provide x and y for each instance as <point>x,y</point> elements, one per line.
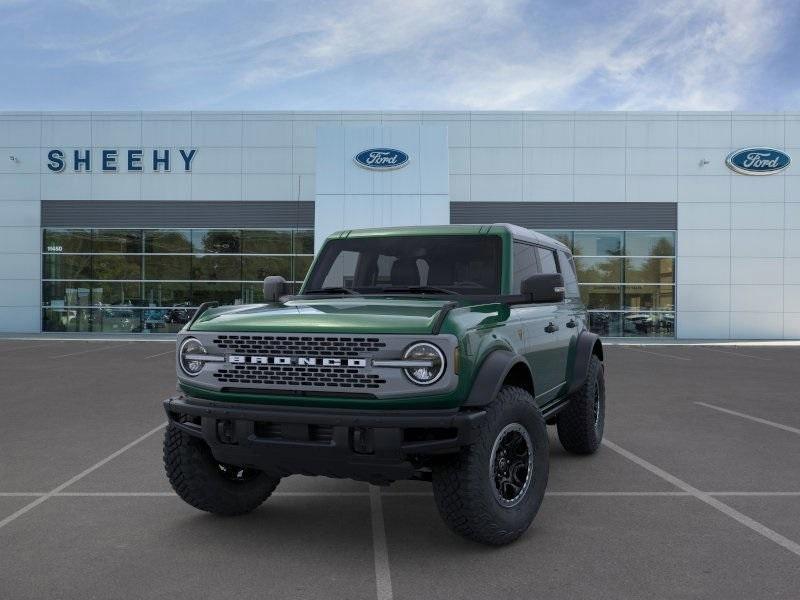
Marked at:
<point>425,264</point>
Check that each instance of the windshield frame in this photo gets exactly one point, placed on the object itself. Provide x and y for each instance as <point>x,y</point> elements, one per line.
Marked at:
<point>332,249</point>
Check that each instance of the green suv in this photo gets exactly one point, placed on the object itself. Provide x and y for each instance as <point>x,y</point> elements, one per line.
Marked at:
<point>431,353</point>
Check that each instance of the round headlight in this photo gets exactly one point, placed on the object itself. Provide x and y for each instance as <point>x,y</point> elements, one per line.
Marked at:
<point>189,356</point>
<point>430,361</point>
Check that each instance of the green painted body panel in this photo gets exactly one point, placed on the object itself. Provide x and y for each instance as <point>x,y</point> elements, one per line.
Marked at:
<point>331,315</point>
<point>481,328</point>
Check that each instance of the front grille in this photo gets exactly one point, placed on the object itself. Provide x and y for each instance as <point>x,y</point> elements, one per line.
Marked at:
<point>309,377</point>
<point>295,345</point>
<point>294,376</point>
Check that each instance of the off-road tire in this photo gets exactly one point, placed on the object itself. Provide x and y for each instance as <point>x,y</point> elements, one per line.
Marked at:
<point>198,479</point>
<point>463,486</point>
<point>580,430</point>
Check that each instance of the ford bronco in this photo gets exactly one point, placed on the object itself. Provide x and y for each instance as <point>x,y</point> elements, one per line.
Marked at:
<point>431,353</point>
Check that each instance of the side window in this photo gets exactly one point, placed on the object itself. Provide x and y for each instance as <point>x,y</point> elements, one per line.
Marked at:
<point>525,264</point>
<point>570,279</point>
<point>547,258</point>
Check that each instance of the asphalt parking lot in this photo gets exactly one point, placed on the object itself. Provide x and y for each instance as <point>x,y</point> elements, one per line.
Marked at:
<point>696,494</point>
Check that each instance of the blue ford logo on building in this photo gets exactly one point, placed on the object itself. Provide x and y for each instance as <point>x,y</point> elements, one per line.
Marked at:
<point>758,161</point>
<point>381,159</point>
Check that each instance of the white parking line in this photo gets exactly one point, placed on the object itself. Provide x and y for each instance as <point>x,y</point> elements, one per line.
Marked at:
<point>657,353</point>
<point>91,350</point>
<point>79,476</point>
<point>742,354</point>
<point>750,418</point>
<point>734,514</point>
<point>383,578</point>
<point>172,351</point>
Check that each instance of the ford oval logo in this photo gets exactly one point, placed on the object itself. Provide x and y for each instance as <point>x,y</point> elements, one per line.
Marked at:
<point>381,159</point>
<point>758,161</point>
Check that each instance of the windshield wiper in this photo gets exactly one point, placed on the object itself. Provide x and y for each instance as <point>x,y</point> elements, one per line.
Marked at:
<point>333,290</point>
<point>417,289</point>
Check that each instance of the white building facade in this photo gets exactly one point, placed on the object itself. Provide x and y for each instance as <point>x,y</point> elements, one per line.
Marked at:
<point>124,222</point>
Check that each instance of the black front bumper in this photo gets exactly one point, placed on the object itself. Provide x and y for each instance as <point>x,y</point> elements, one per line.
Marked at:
<point>376,446</point>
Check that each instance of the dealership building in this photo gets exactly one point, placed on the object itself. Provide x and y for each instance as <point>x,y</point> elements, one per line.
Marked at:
<point>683,225</point>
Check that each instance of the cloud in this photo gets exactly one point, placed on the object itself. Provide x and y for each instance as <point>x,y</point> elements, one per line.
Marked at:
<point>451,54</point>
<point>685,55</point>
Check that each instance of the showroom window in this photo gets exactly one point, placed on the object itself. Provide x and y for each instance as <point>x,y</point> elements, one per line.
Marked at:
<point>627,280</point>
<point>151,280</point>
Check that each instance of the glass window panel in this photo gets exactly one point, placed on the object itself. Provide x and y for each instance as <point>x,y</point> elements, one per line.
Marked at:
<point>226,241</point>
<point>563,236</point>
<point>607,297</point>
<point>252,293</point>
<point>567,269</point>
<point>547,260</point>
<point>117,320</point>
<point>607,324</point>
<point>598,243</point>
<point>58,294</point>
<point>599,270</point>
<point>304,241</point>
<point>525,264</point>
<point>217,267</point>
<point>266,241</point>
<point>116,293</point>
<point>167,294</point>
<point>649,297</point>
<point>650,243</point>
<point>67,266</point>
<point>177,316</point>
<point>116,267</point>
<point>123,241</point>
<point>649,324</point>
<point>301,266</point>
<point>342,271</point>
<point>67,240</point>
<point>649,270</point>
<point>167,240</point>
<point>256,268</point>
<point>167,267</point>
<point>66,319</point>
<point>224,293</point>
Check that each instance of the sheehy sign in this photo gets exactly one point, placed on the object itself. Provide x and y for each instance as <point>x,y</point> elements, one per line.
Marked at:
<point>112,160</point>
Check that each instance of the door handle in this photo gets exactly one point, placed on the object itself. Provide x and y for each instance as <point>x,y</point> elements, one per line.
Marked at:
<point>571,323</point>
<point>551,328</point>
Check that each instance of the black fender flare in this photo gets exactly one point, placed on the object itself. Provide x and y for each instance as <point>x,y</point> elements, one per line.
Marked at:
<point>584,348</point>
<point>490,377</point>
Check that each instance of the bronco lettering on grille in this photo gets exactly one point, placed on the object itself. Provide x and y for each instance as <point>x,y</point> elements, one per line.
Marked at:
<point>301,361</point>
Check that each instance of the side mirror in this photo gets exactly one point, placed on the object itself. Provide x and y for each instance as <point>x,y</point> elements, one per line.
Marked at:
<point>274,288</point>
<point>544,287</point>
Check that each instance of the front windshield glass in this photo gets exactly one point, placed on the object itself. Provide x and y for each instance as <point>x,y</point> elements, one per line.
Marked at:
<point>424,264</point>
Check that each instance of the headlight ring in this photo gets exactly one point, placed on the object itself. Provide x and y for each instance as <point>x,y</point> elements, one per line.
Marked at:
<point>424,352</point>
<point>189,356</point>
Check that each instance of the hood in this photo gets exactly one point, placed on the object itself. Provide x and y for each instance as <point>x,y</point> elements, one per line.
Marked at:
<point>329,315</point>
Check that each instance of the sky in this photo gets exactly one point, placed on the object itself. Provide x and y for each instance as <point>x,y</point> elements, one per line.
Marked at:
<point>400,55</point>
